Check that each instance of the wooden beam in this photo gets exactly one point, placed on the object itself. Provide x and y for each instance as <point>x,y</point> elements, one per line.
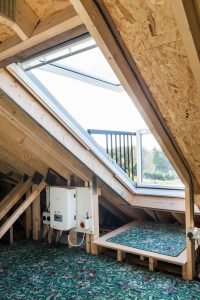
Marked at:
<point>28,218</point>
<point>152,264</point>
<point>23,22</point>
<point>20,165</point>
<point>179,217</point>
<point>14,191</point>
<point>11,236</point>
<point>113,209</point>
<point>47,119</point>
<point>151,213</point>
<point>38,143</point>
<point>22,154</point>
<point>11,220</point>
<point>35,49</point>
<point>121,256</point>
<point>184,13</point>
<point>36,215</point>
<point>95,199</point>
<point>15,197</point>
<point>131,81</point>
<point>26,20</point>
<point>190,244</point>
<point>49,29</point>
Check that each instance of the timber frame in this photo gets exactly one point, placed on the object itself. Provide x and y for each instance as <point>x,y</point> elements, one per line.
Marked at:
<point>94,17</point>
<point>37,148</point>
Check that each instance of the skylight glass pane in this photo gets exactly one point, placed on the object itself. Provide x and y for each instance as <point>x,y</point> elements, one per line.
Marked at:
<point>156,168</point>
<point>78,79</point>
<point>91,63</point>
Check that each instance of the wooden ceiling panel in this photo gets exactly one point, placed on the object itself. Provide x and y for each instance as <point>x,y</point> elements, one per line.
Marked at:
<point>148,31</point>
<point>43,8</point>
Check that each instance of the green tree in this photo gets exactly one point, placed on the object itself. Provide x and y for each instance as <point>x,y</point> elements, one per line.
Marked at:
<point>161,162</point>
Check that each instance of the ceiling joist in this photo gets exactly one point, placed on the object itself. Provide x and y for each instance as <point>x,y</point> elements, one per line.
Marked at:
<point>27,34</point>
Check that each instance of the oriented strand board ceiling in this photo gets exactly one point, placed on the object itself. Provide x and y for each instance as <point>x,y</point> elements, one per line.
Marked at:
<point>5,33</point>
<point>46,8</point>
<point>148,30</point>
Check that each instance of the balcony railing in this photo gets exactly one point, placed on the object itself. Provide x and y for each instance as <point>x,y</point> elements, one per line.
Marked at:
<point>140,156</point>
<point>121,146</point>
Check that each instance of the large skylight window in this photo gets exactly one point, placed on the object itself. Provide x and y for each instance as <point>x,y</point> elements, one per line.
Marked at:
<point>78,76</point>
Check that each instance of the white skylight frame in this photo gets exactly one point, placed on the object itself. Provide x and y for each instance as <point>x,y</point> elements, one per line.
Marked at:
<point>23,71</point>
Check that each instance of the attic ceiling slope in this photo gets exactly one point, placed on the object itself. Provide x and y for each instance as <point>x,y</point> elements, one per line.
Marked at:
<point>25,24</point>
<point>148,31</point>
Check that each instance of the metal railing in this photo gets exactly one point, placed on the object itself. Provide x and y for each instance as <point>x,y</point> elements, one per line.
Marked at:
<point>121,146</point>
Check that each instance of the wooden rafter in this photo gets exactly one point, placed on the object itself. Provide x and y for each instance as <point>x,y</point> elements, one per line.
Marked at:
<point>48,33</point>
<point>24,20</point>
<point>10,221</point>
<point>14,197</point>
<point>12,159</point>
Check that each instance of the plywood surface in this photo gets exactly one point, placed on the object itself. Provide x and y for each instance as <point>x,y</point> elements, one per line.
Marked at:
<point>148,30</point>
<point>46,8</point>
<point>5,33</point>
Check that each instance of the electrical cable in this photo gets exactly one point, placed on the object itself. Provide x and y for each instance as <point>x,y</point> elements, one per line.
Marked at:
<point>77,244</point>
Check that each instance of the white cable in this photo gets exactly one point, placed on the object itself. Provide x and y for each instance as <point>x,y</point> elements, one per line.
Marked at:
<point>77,244</point>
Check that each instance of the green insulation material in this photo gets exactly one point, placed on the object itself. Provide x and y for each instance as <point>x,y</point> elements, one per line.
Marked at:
<point>35,270</point>
<point>167,239</point>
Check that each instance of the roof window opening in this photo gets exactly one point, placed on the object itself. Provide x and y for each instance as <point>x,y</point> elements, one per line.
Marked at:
<point>79,81</point>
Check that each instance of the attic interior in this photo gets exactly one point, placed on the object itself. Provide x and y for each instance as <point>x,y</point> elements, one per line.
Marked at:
<point>78,221</point>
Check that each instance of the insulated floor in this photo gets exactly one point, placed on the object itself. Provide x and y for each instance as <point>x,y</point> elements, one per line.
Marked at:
<point>34,270</point>
<point>167,239</point>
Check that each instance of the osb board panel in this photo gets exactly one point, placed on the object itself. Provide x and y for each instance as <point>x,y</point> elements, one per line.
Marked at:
<point>150,25</point>
<point>5,32</point>
<point>164,66</point>
<point>46,8</point>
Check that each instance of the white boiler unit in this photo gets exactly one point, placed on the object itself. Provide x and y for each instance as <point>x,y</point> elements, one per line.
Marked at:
<point>63,208</point>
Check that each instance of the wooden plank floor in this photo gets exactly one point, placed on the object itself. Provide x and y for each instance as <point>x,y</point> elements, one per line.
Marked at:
<point>181,259</point>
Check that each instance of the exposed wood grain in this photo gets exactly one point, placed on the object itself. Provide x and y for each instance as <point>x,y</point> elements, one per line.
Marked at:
<point>10,221</point>
<point>44,9</point>
<point>14,197</point>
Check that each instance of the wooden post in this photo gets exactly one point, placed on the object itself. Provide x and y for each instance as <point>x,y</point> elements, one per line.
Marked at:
<point>28,219</point>
<point>94,248</point>
<point>11,235</point>
<point>88,243</point>
<point>36,217</point>
<point>190,244</point>
<point>121,255</point>
<point>152,264</point>
<point>88,236</point>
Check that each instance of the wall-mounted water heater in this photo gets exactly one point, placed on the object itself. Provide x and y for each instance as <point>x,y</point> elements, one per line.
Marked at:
<point>71,208</point>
